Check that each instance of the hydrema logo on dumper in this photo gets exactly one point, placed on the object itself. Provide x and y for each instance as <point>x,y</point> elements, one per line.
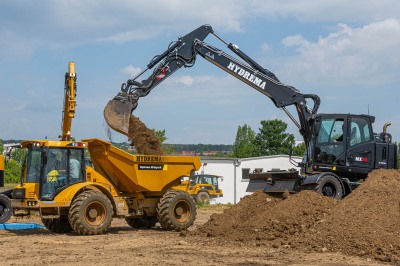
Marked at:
<point>144,158</point>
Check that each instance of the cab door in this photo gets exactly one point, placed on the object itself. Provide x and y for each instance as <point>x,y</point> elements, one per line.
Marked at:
<point>360,142</point>
<point>330,144</point>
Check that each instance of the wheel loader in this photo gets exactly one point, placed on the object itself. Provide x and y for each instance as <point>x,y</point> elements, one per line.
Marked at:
<point>205,187</point>
<point>71,195</point>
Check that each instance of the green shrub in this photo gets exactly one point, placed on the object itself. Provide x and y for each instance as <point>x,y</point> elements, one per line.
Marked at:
<point>12,172</point>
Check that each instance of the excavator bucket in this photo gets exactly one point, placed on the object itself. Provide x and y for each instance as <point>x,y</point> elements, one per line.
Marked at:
<point>117,114</point>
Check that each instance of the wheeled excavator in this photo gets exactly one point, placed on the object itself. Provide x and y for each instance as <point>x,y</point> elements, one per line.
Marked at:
<point>341,148</point>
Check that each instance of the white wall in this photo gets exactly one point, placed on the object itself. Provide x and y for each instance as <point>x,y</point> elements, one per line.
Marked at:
<point>233,185</point>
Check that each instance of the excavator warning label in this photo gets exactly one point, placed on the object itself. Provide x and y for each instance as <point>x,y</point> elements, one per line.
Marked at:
<point>151,166</point>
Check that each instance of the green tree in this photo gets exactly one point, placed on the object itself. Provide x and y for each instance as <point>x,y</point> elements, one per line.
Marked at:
<point>1,146</point>
<point>272,138</point>
<point>244,142</point>
<point>12,171</point>
<point>299,150</point>
<point>161,135</point>
<point>13,165</point>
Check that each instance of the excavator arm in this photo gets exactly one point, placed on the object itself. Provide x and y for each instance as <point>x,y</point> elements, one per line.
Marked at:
<point>183,53</point>
<point>69,102</point>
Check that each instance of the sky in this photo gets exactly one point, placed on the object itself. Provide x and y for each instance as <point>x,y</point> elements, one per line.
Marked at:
<point>346,52</point>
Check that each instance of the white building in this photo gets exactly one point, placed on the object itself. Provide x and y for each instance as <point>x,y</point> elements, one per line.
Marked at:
<point>235,182</point>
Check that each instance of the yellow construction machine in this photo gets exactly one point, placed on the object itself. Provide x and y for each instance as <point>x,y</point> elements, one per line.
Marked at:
<point>205,187</point>
<point>5,205</point>
<point>70,196</point>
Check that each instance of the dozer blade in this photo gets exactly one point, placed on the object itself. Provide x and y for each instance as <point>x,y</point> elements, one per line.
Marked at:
<point>117,114</point>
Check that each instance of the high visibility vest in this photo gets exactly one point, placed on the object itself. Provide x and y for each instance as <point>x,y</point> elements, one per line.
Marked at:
<point>52,176</point>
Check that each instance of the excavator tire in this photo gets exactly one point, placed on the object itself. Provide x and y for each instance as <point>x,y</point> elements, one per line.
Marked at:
<point>330,186</point>
<point>176,210</point>
<point>5,208</point>
<point>91,213</point>
<point>203,197</point>
<point>58,226</point>
<point>142,223</point>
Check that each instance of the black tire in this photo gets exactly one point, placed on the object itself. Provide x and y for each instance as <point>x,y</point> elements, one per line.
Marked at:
<point>91,213</point>
<point>142,223</point>
<point>5,209</point>
<point>176,210</point>
<point>330,186</point>
<point>58,226</point>
<point>203,197</point>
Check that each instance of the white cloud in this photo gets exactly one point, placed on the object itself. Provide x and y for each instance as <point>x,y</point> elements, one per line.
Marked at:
<point>131,71</point>
<point>364,55</point>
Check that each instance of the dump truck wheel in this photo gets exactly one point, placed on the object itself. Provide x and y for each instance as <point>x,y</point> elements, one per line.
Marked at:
<point>91,213</point>
<point>139,223</point>
<point>58,226</point>
<point>203,197</point>
<point>330,186</point>
<point>176,210</point>
<point>5,208</point>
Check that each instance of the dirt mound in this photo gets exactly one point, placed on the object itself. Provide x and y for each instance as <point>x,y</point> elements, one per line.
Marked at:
<point>266,220</point>
<point>143,138</point>
<point>366,223</point>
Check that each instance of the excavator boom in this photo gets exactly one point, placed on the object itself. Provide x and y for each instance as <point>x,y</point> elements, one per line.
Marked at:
<point>183,53</point>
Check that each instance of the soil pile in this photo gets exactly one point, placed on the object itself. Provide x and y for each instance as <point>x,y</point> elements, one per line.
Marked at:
<point>366,223</point>
<point>143,138</point>
<point>266,220</point>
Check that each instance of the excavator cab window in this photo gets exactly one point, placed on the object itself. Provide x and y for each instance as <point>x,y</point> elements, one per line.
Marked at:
<point>330,143</point>
<point>360,131</point>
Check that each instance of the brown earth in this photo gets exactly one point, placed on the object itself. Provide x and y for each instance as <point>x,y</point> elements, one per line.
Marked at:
<point>143,138</point>
<point>123,245</point>
<point>301,229</point>
<point>366,223</point>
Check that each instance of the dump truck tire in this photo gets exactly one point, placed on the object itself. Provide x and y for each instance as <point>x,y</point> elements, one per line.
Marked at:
<point>142,223</point>
<point>91,213</point>
<point>58,226</point>
<point>203,197</point>
<point>176,210</point>
<point>5,208</point>
<point>330,186</point>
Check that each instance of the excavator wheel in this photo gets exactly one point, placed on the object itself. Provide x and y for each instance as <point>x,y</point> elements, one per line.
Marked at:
<point>176,210</point>
<point>91,213</point>
<point>330,186</point>
<point>58,226</point>
<point>142,223</point>
<point>117,114</point>
<point>203,197</point>
<point>5,208</point>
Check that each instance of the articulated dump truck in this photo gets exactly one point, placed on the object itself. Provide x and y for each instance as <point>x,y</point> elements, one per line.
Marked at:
<point>69,196</point>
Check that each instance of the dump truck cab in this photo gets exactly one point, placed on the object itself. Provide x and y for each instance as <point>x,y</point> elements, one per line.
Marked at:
<point>50,167</point>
